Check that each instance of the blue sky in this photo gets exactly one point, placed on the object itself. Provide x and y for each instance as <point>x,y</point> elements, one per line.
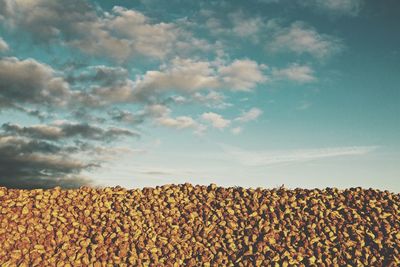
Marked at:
<point>252,93</point>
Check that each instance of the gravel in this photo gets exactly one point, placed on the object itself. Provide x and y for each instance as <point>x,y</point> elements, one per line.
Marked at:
<point>186,225</point>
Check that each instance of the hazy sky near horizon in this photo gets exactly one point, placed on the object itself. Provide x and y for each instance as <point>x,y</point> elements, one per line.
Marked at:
<point>253,93</point>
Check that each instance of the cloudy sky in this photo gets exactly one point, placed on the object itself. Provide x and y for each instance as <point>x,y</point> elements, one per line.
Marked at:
<point>238,93</point>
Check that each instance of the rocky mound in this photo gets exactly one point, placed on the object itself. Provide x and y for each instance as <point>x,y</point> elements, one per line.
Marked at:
<point>185,225</point>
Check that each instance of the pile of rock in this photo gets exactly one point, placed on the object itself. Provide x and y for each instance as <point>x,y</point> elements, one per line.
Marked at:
<point>184,225</point>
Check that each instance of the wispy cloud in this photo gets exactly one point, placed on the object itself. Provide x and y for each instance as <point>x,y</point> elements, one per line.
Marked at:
<point>162,116</point>
<point>236,130</point>
<point>300,38</point>
<point>295,72</point>
<point>303,105</point>
<point>250,115</point>
<point>180,122</point>
<point>235,24</point>
<point>337,7</point>
<point>265,157</point>
<point>216,120</point>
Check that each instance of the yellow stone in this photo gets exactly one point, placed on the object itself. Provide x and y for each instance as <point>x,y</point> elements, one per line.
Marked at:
<point>25,210</point>
<point>21,228</point>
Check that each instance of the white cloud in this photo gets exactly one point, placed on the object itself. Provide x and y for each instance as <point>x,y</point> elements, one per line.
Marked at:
<point>236,24</point>
<point>181,75</point>
<point>242,75</point>
<point>159,114</point>
<point>3,45</point>
<point>216,120</point>
<point>116,93</point>
<point>215,26</point>
<point>188,75</point>
<point>246,26</point>
<point>295,72</point>
<point>250,115</point>
<point>162,116</point>
<point>212,99</point>
<point>180,122</point>
<point>265,158</point>
<point>178,99</point>
<point>302,39</point>
<point>132,31</point>
<point>118,34</point>
<point>157,110</point>
<point>209,97</point>
<point>124,33</point>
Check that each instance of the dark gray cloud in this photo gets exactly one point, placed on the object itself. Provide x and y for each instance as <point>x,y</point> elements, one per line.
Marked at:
<point>37,113</point>
<point>101,74</point>
<point>65,130</point>
<point>121,91</point>
<point>31,82</point>
<point>150,112</point>
<point>101,86</point>
<point>8,104</point>
<point>30,181</point>
<point>16,145</point>
<point>85,115</point>
<point>48,155</point>
<point>27,163</point>
<point>126,116</point>
<point>87,131</point>
<point>46,20</point>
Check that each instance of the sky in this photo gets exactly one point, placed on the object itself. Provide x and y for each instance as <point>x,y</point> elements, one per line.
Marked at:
<point>258,93</point>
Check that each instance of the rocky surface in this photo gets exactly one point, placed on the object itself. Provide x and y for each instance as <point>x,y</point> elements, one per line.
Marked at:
<point>185,225</point>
